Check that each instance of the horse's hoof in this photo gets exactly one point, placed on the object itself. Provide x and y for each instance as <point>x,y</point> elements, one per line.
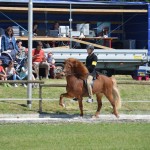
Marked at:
<point>95,117</point>
<point>117,116</point>
<point>63,105</point>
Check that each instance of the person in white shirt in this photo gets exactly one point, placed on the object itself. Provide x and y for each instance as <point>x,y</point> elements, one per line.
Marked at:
<point>11,73</point>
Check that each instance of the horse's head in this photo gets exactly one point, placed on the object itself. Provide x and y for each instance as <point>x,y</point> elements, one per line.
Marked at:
<point>75,67</point>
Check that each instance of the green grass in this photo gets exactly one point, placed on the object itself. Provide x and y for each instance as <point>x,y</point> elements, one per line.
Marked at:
<point>128,93</point>
<point>76,136</point>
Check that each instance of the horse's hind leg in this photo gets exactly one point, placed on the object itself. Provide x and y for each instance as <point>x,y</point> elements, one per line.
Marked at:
<point>99,104</point>
<point>112,101</point>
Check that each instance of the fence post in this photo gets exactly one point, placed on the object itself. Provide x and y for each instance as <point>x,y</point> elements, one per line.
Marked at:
<point>40,97</point>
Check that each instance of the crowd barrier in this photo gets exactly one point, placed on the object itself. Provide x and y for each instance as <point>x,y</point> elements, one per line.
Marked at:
<point>64,85</point>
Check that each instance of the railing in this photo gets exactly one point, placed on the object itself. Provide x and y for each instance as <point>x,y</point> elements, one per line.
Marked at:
<point>41,85</point>
<point>64,85</point>
<point>21,81</point>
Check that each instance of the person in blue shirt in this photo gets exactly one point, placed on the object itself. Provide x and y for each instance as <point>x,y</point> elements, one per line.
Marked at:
<point>8,43</point>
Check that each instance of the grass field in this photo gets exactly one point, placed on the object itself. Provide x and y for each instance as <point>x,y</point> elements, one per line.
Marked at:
<point>76,136</point>
<point>128,93</point>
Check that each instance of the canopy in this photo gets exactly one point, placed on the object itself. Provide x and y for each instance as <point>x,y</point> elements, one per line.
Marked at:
<point>117,2</point>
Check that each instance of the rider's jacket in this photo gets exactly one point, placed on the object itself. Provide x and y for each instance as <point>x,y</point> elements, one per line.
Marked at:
<point>91,62</point>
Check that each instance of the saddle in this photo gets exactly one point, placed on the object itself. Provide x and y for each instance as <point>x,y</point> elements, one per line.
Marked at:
<point>94,78</point>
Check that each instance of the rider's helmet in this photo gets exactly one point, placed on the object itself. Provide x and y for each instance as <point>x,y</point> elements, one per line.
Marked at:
<point>91,47</point>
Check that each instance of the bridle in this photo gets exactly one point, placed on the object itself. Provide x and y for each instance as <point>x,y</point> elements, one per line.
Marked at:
<point>69,74</point>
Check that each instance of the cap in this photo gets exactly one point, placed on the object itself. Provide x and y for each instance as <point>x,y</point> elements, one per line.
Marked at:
<point>90,47</point>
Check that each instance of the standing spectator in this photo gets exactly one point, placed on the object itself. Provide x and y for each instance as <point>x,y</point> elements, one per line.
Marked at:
<point>39,60</point>
<point>3,75</point>
<point>11,73</point>
<point>35,28</point>
<point>51,61</point>
<point>35,32</point>
<point>8,42</point>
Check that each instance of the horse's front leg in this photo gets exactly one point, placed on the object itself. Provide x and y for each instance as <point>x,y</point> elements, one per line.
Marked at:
<point>61,102</point>
<point>80,106</point>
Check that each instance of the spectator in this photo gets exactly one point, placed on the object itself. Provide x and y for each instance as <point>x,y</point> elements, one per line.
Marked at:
<point>56,26</point>
<point>51,61</point>
<point>39,60</point>
<point>23,51</point>
<point>24,72</point>
<point>3,75</point>
<point>11,73</point>
<point>8,42</point>
<point>55,43</point>
<point>35,32</point>
<point>35,28</point>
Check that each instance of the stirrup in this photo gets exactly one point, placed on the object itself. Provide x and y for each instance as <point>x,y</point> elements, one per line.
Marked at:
<point>89,100</point>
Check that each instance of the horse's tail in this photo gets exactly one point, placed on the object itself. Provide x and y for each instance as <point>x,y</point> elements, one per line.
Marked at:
<point>116,94</point>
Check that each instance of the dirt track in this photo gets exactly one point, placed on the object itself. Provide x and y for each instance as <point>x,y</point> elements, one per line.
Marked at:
<point>52,118</point>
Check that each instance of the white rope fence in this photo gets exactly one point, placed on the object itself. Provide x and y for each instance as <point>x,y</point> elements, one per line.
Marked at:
<point>41,85</point>
<point>56,99</point>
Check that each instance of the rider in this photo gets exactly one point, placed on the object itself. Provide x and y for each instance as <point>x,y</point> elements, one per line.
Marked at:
<point>91,62</point>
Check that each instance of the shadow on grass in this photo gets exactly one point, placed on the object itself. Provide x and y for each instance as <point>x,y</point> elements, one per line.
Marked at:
<point>16,108</point>
<point>57,114</point>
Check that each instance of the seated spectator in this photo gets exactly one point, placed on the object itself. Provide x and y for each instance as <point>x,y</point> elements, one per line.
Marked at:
<point>24,72</point>
<point>56,26</point>
<point>51,61</point>
<point>53,43</point>
<point>23,51</point>
<point>3,75</point>
<point>11,73</point>
<point>39,60</point>
<point>8,43</point>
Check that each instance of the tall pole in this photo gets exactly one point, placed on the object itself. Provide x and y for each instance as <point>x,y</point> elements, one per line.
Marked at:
<point>149,31</point>
<point>70,30</point>
<point>30,33</point>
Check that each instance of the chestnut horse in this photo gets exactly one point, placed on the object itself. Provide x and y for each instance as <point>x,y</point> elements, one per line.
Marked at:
<point>76,73</point>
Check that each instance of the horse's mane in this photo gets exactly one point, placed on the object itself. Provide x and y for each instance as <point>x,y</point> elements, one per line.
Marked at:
<point>78,68</point>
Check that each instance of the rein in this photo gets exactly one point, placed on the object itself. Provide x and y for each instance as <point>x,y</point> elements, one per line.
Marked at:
<point>69,74</point>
